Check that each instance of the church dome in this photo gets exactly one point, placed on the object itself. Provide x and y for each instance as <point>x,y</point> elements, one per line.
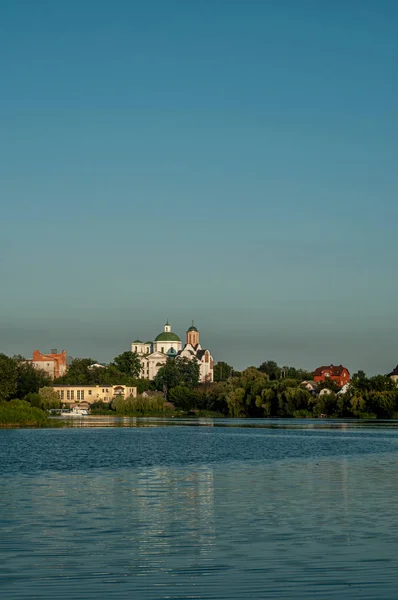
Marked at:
<point>167,336</point>
<point>192,328</point>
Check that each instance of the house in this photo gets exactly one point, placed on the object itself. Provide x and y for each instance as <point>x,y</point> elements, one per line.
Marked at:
<point>339,375</point>
<point>394,375</point>
<point>311,386</point>
<point>70,394</point>
<point>54,363</point>
<point>152,394</point>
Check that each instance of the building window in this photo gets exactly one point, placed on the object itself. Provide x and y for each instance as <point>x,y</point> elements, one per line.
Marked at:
<point>68,394</point>
<point>82,395</point>
<point>89,392</point>
<point>78,394</point>
<point>162,349</point>
<point>72,394</point>
<point>62,394</point>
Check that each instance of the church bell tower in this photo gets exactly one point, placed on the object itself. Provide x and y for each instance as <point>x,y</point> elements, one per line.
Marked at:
<point>193,336</point>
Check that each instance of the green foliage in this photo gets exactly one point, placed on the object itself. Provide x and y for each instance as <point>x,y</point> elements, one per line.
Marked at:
<point>139,405</point>
<point>183,397</point>
<point>49,398</point>
<point>29,379</point>
<point>18,413</point>
<point>176,372</point>
<point>128,363</point>
<point>81,372</point>
<point>8,377</point>
<point>270,368</point>
<point>222,371</point>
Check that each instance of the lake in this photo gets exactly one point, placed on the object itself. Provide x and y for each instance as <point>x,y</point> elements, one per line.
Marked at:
<point>206,509</point>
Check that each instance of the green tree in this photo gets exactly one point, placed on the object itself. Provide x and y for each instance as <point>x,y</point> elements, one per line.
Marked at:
<point>222,371</point>
<point>8,377</point>
<point>177,371</point>
<point>128,363</point>
<point>270,367</point>
<point>49,398</point>
<point>360,375</point>
<point>29,379</point>
<point>79,372</point>
<point>183,397</point>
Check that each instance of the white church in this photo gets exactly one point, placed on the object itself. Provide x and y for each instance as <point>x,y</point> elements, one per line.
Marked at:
<point>153,355</point>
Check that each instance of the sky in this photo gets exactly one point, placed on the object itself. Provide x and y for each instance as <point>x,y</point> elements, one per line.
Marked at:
<point>232,162</point>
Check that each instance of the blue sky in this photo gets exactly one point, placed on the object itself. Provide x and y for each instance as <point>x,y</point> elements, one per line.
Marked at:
<point>225,161</point>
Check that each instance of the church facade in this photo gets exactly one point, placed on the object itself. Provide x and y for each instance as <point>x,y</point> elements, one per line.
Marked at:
<point>153,355</point>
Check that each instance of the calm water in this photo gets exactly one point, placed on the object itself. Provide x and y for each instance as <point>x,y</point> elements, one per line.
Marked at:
<point>258,510</point>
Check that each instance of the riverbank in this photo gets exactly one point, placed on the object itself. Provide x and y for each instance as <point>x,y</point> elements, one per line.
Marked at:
<point>18,413</point>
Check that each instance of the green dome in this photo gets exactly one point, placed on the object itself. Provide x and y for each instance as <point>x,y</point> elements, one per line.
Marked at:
<point>167,337</point>
<point>193,328</point>
<point>137,342</point>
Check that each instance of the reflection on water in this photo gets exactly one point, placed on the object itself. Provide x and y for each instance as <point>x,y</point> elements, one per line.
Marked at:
<point>205,513</point>
<point>111,421</point>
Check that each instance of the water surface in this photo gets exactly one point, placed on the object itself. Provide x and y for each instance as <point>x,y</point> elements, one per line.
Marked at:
<point>260,509</point>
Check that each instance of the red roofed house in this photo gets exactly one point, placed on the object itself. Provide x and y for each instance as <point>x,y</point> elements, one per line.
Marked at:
<point>340,375</point>
<point>54,364</point>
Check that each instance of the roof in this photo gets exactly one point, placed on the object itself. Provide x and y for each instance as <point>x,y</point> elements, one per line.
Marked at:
<point>137,342</point>
<point>334,371</point>
<point>167,336</point>
<point>148,342</point>
<point>192,328</point>
<point>394,372</point>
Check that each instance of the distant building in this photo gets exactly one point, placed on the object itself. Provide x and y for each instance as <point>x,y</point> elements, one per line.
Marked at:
<point>193,350</point>
<point>394,375</point>
<point>153,355</point>
<point>70,394</point>
<point>54,364</point>
<point>311,386</point>
<point>340,375</point>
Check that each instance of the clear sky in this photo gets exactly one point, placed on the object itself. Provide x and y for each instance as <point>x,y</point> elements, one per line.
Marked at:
<point>228,161</point>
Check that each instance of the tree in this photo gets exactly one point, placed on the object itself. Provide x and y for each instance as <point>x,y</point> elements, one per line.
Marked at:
<point>8,377</point>
<point>222,371</point>
<point>128,363</point>
<point>270,367</point>
<point>183,397</point>
<point>360,375</point>
<point>29,379</point>
<point>79,372</point>
<point>177,371</point>
<point>49,398</point>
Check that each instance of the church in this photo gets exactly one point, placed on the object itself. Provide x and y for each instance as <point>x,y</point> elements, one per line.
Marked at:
<point>167,344</point>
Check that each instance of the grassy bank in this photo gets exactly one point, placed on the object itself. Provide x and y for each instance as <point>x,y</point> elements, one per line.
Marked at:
<point>18,413</point>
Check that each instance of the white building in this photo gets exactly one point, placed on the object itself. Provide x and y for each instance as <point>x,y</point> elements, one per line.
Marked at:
<point>153,355</point>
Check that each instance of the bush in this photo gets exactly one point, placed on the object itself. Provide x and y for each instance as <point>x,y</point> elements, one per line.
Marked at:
<point>21,413</point>
<point>139,405</point>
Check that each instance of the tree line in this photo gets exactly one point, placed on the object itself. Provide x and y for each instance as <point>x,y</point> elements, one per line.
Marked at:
<point>265,391</point>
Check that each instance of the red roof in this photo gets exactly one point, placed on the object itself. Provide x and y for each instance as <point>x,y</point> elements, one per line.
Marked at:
<point>334,371</point>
